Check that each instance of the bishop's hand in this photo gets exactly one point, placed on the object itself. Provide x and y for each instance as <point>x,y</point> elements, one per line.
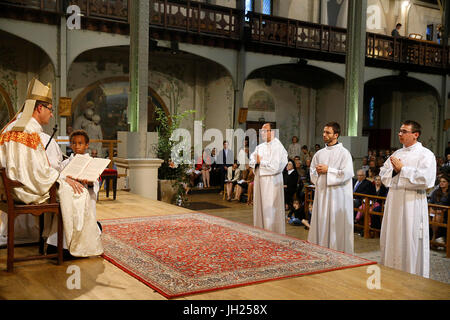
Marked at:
<point>76,186</point>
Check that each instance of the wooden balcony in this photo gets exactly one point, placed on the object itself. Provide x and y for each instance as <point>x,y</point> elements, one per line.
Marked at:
<point>205,24</point>
<point>195,17</point>
<point>304,39</point>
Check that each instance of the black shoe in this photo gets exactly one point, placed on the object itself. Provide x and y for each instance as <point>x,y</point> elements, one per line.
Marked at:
<point>66,254</point>
<point>100,226</point>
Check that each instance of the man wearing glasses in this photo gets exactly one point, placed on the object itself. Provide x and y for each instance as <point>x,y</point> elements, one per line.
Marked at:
<point>269,159</point>
<point>404,239</point>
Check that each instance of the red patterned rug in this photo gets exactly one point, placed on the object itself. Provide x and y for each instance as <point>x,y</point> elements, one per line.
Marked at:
<point>191,253</point>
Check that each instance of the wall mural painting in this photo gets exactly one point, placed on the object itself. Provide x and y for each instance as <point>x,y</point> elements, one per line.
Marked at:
<point>261,101</point>
<point>6,109</point>
<point>4,113</point>
<point>102,111</point>
<point>8,85</point>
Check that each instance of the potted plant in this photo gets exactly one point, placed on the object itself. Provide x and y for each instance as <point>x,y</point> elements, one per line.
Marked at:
<point>172,177</point>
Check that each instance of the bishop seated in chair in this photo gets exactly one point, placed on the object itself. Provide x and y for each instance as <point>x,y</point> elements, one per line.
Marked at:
<point>23,155</point>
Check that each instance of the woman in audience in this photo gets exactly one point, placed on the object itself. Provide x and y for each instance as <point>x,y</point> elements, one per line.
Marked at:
<point>206,168</point>
<point>380,191</point>
<point>373,172</point>
<point>290,180</point>
<point>250,182</point>
<point>440,196</point>
<point>242,185</point>
<point>294,148</point>
<point>233,176</point>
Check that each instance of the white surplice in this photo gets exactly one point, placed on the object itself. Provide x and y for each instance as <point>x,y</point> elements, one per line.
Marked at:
<point>268,192</point>
<point>27,162</point>
<point>37,180</point>
<point>89,214</point>
<point>332,214</point>
<point>404,238</point>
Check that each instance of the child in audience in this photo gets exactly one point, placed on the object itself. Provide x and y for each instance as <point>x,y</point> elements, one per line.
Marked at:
<point>297,215</point>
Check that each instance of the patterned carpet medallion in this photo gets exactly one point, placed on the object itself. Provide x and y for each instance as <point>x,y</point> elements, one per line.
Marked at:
<point>191,253</point>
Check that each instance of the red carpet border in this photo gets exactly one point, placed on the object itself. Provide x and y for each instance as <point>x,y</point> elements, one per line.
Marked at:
<point>190,253</point>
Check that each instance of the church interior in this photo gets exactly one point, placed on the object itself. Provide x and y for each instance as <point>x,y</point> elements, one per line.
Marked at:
<point>128,72</point>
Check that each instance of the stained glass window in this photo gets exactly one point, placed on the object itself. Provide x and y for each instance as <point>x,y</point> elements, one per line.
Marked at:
<point>249,6</point>
<point>267,7</point>
<point>371,112</point>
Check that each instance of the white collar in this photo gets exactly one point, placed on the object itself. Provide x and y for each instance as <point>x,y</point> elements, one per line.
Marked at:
<point>413,146</point>
<point>337,145</point>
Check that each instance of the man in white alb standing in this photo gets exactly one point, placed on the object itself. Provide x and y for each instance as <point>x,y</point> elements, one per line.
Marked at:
<point>331,172</point>
<point>408,172</point>
<point>269,159</point>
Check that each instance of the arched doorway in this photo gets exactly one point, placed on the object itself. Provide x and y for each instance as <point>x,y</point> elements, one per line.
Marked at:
<point>108,98</point>
<point>392,99</point>
<point>6,108</point>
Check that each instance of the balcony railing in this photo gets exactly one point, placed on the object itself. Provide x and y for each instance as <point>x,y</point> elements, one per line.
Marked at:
<point>195,17</point>
<point>310,36</point>
<point>296,34</point>
<point>42,5</point>
<point>223,22</point>
<point>404,50</point>
<point>115,10</point>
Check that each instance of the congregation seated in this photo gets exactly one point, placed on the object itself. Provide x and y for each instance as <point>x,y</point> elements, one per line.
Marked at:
<point>363,186</point>
<point>380,191</point>
<point>206,168</point>
<point>194,176</point>
<point>247,179</point>
<point>233,175</point>
<point>440,196</point>
<point>214,173</point>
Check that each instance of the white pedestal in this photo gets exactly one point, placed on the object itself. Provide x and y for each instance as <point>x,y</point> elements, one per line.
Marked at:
<point>142,175</point>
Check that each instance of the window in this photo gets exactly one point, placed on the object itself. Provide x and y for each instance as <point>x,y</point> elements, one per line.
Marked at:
<point>267,7</point>
<point>371,112</point>
<point>249,6</point>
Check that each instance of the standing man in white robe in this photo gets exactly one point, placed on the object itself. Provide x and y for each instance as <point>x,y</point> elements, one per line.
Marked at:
<point>404,238</point>
<point>332,215</point>
<point>269,159</point>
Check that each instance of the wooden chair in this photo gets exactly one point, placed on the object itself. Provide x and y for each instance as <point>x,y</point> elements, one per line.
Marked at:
<point>14,208</point>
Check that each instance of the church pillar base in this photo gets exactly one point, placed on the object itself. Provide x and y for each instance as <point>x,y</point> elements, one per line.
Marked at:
<point>142,175</point>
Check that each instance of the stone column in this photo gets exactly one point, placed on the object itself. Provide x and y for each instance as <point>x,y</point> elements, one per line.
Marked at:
<point>239,81</point>
<point>135,153</point>
<point>354,80</point>
<point>139,52</point>
<point>354,66</point>
<point>61,77</point>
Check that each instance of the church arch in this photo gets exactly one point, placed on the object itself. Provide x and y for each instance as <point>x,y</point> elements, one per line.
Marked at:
<point>112,93</point>
<point>390,100</point>
<point>6,108</point>
<point>299,98</point>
